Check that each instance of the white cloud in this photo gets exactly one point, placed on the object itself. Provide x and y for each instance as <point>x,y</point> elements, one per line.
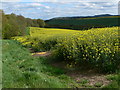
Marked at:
<point>48,11</point>
<point>86,4</point>
<point>38,5</point>
<point>35,4</point>
<point>11,0</point>
<point>109,4</point>
<point>114,1</point>
<point>89,5</point>
<point>62,1</point>
<point>61,9</point>
<point>47,7</point>
<point>38,8</point>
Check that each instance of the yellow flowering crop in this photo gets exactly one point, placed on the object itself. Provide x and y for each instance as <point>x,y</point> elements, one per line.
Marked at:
<point>97,45</point>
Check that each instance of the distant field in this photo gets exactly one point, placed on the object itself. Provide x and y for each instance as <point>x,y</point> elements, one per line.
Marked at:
<point>83,23</point>
<point>98,47</point>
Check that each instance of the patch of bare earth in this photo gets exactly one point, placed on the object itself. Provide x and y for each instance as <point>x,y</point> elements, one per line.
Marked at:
<point>84,77</point>
<point>92,78</point>
<point>81,76</point>
<point>43,54</point>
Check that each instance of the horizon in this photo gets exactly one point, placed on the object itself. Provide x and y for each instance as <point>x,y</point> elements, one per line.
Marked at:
<point>49,10</point>
<point>70,16</point>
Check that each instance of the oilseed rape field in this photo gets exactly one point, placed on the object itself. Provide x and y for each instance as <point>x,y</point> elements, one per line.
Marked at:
<point>96,46</point>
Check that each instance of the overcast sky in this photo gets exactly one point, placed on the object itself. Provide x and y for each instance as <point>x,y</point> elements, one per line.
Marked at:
<point>46,9</point>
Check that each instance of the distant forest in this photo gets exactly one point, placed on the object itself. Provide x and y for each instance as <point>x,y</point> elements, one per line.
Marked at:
<point>83,23</point>
<point>17,25</point>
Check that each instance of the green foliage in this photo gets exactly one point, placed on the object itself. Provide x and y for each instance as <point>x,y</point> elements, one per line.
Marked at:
<point>83,81</point>
<point>99,84</point>
<point>98,47</point>
<point>21,70</point>
<point>13,25</point>
<point>16,25</point>
<point>41,23</point>
<point>115,81</point>
<point>83,23</point>
<point>27,31</point>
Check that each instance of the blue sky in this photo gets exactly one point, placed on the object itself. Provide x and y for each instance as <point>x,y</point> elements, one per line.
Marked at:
<point>46,9</point>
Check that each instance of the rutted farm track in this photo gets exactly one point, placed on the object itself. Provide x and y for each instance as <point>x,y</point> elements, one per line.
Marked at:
<point>86,78</point>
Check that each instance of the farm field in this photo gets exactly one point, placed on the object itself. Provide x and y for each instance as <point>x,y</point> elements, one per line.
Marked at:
<point>64,44</point>
<point>97,47</point>
<point>21,70</point>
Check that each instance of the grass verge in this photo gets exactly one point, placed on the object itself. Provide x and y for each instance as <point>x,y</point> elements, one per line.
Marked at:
<point>21,70</point>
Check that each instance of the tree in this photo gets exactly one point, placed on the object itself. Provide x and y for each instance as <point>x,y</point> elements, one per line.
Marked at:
<point>16,25</point>
<point>41,23</point>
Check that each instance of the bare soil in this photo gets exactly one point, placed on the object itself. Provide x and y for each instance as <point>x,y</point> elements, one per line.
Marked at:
<point>93,78</point>
<point>43,54</point>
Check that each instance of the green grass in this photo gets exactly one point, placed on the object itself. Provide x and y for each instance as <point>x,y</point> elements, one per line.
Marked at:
<point>21,70</point>
<point>0,64</point>
<point>115,81</point>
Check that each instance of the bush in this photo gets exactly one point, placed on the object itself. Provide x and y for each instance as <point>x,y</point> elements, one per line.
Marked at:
<point>16,25</point>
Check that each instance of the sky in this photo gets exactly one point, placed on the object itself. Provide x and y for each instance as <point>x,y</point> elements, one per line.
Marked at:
<point>47,9</point>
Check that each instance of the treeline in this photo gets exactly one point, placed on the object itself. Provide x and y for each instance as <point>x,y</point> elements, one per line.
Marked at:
<point>83,23</point>
<point>17,25</point>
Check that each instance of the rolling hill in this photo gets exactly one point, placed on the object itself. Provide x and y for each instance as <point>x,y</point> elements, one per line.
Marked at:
<point>84,22</point>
